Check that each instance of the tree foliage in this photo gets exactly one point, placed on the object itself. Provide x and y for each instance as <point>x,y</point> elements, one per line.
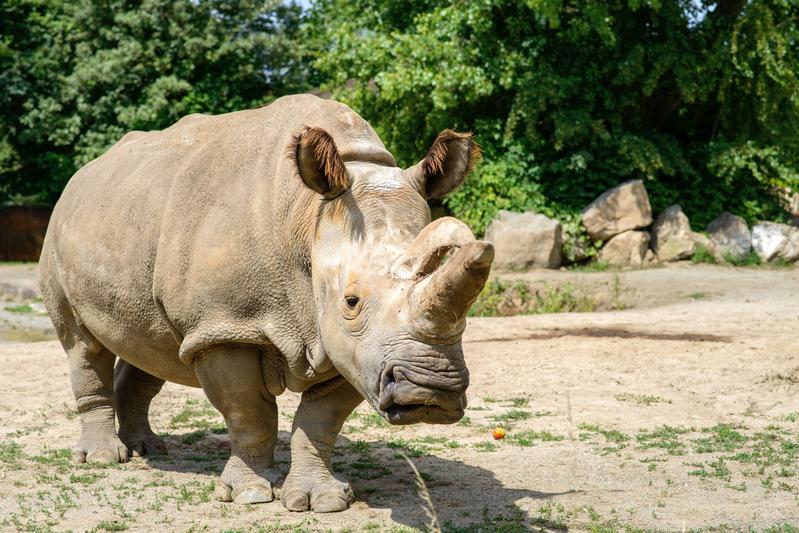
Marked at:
<point>75,75</point>
<point>700,98</point>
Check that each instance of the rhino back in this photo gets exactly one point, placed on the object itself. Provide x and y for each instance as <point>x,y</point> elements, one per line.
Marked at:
<point>198,234</point>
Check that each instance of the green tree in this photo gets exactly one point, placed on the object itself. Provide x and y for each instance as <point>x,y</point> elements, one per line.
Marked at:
<point>698,97</point>
<point>75,75</point>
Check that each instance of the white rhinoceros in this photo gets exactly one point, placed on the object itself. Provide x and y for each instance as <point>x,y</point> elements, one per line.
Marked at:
<point>256,251</point>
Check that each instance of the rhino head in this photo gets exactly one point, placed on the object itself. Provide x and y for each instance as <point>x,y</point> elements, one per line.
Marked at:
<point>391,288</point>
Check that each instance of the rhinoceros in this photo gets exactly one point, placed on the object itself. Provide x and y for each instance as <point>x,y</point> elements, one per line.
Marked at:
<point>257,251</point>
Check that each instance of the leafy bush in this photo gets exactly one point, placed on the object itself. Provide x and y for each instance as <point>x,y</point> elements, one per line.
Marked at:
<point>698,99</point>
<point>508,182</point>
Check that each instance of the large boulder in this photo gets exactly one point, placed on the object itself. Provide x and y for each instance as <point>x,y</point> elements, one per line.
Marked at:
<point>626,249</point>
<point>790,251</point>
<point>616,210</point>
<point>731,236</point>
<point>672,238</point>
<point>525,240</point>
<point>769,238</point>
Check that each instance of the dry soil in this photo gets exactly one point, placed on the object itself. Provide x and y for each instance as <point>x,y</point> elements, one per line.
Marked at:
<point>680,412</point>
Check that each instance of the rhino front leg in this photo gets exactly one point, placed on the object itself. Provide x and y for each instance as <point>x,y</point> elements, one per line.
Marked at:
<point>134,390</point>
<point>310,485</point>
<point>231,378</point>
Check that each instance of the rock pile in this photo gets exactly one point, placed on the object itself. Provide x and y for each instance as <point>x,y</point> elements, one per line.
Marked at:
<point>619,219</point>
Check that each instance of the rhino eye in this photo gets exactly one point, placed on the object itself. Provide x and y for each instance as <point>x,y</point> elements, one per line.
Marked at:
<point>351,301</point>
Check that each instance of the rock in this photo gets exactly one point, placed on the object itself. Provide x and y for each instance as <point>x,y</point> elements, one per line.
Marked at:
<point>731,236</point>
<point>616,210</point>
<point>790,251</point>
<point>671,235</point>
<point>525,240</point>
<point>626,249</point>
<point>769,238</point>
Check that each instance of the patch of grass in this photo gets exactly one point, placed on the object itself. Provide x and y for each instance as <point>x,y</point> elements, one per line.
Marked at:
<point>59,457</point>
<point>11,454</point>
<point>721,438</point>
<point>490,299</point>
<point>617,291</point>
<point>405,446</point>
<point>780,262</point>
<point>197,414</point>
<point>720,469</point>
<point>513,520</point>
<point>20,309</point>
<point>698,295</point>
<point>520,402</point>
<point>88,478</point>
<point>499,298</point>
<point>593,266</point>
<point>194,436</point>
<point>563,299</point>
<point>641,399</point>
<point>465,421</point>
<point>512,416</point>
<point>702,254</point>
<point>368,468</point>
<point>485,446</point>
<point>664,437</point>
<point>551,516</point>
<point>107,525</point>
<point>529,438</point>
<point>366,421</point>
<point>438,442</point>
<point>611,435</point>
<point>791,417</point>
<point>360,446</point>
<point>752,259</point>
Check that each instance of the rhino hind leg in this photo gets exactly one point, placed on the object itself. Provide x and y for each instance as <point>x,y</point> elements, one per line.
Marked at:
<point>134,389</point>
<point>231,378</point>
<point>310,484</point>
<point>91,371</point>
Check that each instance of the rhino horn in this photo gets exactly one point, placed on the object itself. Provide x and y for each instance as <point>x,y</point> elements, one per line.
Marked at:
<point>434,241</point>
<point>441,298</point>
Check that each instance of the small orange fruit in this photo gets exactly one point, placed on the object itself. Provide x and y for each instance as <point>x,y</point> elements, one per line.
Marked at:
<point>498,433</point>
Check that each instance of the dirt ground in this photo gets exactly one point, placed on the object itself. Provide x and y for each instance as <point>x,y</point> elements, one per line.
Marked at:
<point>680,412</point>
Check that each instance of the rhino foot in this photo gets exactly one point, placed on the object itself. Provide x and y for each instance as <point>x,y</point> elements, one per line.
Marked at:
<point>318,494</point>
<point>108,450</point>
<point>239,483</point>
<point>142,443</point>
<point>259,491</point>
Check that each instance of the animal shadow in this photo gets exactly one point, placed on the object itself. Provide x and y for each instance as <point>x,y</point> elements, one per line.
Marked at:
<point>461,494</point>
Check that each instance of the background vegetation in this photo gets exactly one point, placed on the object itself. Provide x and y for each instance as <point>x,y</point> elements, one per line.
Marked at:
<point>699,98</point>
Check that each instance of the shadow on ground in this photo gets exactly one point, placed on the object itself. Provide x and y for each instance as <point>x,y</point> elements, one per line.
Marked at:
<point>464,496</point>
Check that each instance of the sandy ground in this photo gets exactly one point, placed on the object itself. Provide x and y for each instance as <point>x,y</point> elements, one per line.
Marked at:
<point>678,413</point>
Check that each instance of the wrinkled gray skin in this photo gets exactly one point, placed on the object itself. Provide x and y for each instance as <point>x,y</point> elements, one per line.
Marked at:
<point>220,253</point>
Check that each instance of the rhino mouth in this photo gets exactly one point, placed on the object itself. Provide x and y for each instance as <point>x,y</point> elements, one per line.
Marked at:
<point>407,394</point>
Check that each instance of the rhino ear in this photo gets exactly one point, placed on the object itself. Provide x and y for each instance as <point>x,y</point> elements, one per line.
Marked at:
<point>319,163</point>
<point>446,165</point>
